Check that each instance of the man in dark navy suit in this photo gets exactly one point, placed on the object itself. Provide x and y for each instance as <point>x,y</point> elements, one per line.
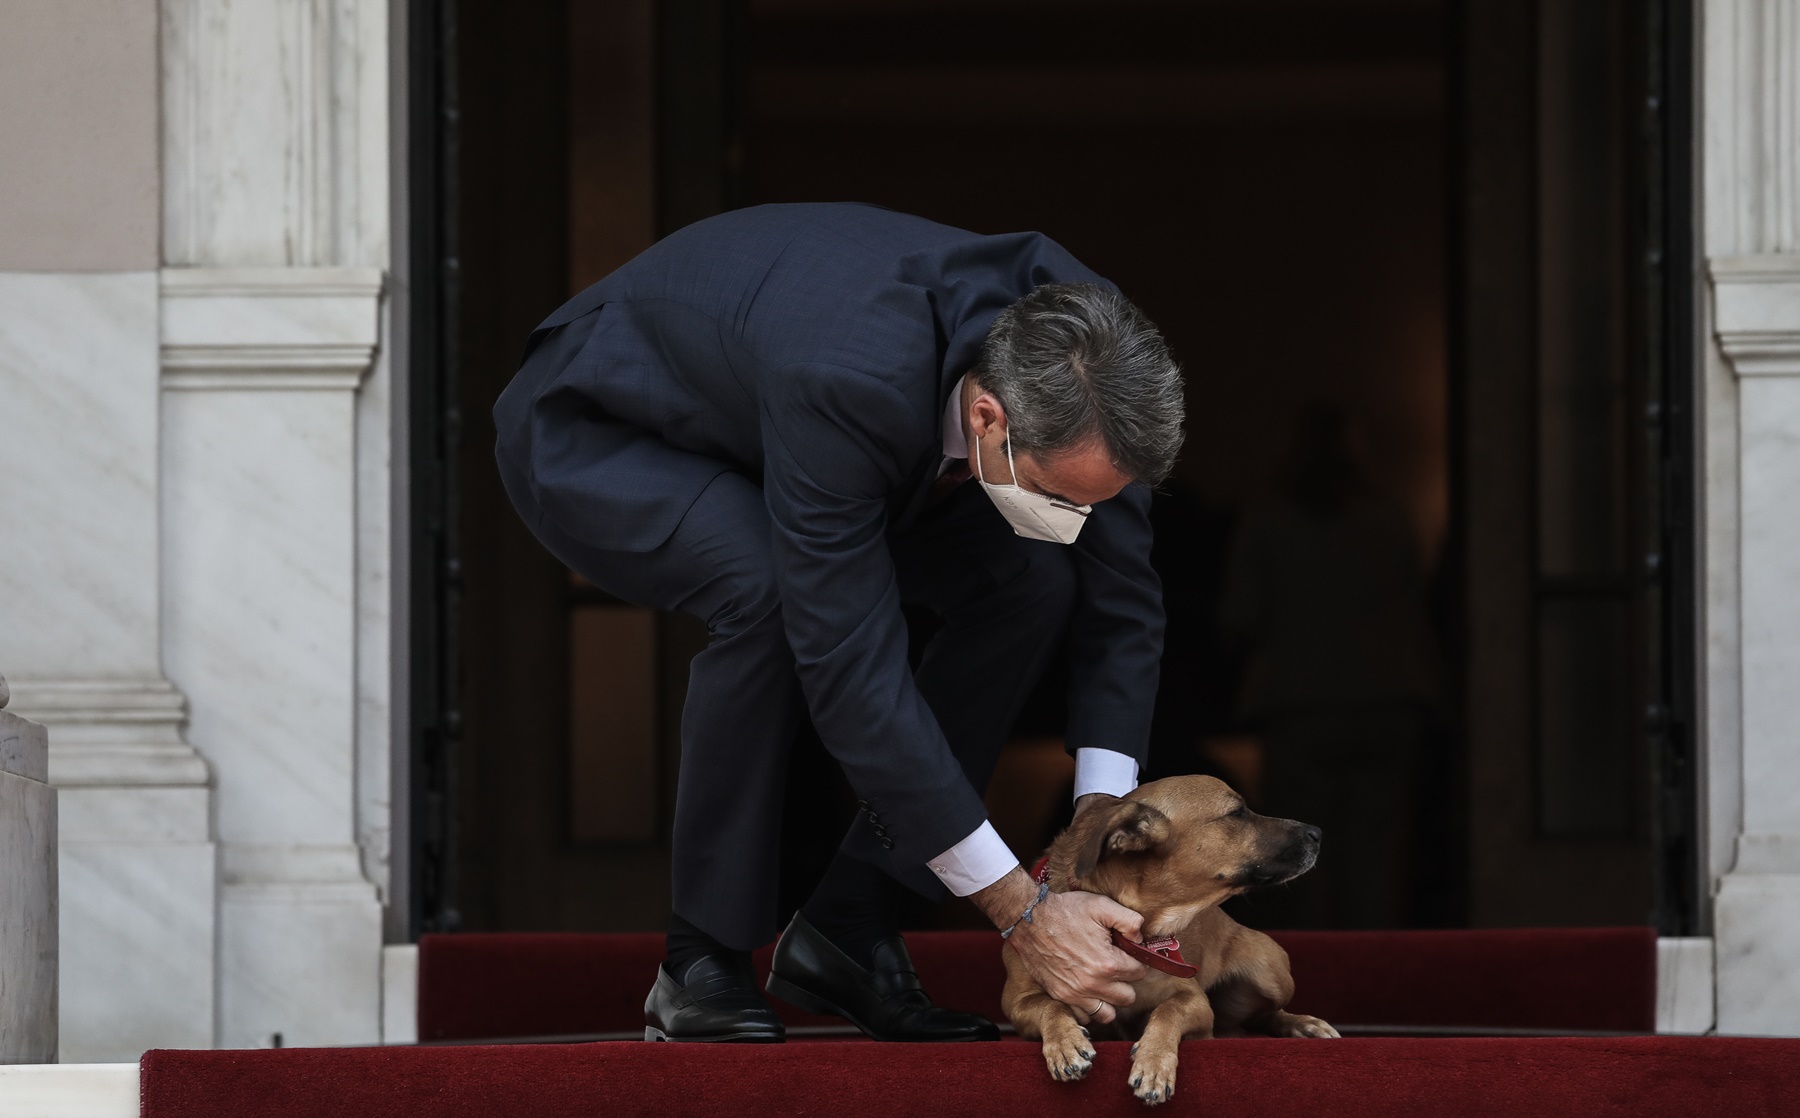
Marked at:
<point>766,421</point>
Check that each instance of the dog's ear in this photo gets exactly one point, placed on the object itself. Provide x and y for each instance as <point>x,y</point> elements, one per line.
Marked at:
<point>1128,827</point>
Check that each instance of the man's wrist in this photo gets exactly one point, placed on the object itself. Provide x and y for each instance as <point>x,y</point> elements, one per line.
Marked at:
<point>1004,901</point>
<point>1026,916</point>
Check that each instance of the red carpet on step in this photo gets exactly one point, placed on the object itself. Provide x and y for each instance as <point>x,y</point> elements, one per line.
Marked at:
<point>474,987</point>
<point>1631,1077</point>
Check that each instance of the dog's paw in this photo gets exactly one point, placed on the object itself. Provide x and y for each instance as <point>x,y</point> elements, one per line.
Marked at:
<point>1298,1024</point>
<point>1153,1075</point>
<point>1069,1055</point>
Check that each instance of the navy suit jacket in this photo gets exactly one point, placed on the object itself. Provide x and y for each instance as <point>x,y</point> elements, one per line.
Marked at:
<point>813,348</point>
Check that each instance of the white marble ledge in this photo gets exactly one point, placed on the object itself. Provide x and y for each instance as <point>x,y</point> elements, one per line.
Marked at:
<point>400,993</point>
<point>269,328</point>
<point>113,731</point>
<point>155,765</point>
<point>69,1090</point>
<point>110,701</point>
<point>246,863</point>
<point>1684,985</point>
<point>1756,312</point>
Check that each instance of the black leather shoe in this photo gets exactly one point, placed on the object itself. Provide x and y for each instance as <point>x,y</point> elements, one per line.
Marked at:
<point>885,1001</point>
<point>719,1002</point>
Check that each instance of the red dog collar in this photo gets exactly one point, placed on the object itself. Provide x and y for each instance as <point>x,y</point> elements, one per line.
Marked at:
<point>1162,953</point>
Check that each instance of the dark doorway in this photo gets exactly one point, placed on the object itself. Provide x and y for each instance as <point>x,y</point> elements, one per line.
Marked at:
<point>1267,183</point>
<point>1574,484</point>
<point>1301,195</point>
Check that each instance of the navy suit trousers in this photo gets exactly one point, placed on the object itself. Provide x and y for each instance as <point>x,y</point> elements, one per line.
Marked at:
<point>1004,600</point>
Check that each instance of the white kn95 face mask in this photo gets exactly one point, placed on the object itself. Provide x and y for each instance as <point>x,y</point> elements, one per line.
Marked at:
<point>1032,515</point>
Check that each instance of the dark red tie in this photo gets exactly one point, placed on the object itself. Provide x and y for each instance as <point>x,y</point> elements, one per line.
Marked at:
<point>954,475</point>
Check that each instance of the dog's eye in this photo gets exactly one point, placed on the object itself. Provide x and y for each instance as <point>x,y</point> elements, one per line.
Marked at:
<point>1239,813</point>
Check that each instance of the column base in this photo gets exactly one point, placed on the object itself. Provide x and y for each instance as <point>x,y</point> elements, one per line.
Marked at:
<point>138,867</point>
<point>1758,955</point>
<point>300,948</point>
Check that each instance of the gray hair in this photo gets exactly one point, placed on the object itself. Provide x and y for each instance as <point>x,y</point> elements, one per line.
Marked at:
<point>1071,362</point>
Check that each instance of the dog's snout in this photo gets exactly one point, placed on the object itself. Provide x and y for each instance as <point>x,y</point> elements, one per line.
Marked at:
<point>1312,835</point>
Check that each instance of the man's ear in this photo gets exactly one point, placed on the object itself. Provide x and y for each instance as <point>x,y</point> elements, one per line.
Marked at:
<point>1128,827</point>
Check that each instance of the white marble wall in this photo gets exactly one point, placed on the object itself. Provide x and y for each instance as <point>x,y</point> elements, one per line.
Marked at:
<point>78,370</point>
<point>1750,223</point>
<point>28,919</point>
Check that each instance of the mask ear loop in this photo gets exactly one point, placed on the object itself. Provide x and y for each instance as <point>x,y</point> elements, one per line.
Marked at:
<point>975,453</point>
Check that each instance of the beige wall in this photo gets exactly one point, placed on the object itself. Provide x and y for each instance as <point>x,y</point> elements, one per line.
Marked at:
<point>78,136</point>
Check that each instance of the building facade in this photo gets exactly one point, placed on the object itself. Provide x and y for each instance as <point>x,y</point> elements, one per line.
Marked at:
<point>202,428</point>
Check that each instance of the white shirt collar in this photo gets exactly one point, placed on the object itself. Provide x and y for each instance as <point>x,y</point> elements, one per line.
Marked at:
<point>955,445</point>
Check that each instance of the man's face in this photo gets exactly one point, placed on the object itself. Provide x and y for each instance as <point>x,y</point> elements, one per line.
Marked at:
<point>1082,476</point>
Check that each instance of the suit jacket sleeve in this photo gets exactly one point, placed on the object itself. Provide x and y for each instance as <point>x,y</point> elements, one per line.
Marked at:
<point>833,443</point>
<point>1116,635</point>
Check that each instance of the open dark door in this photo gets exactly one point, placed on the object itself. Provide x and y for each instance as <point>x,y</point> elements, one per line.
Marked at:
<point>1575,458</point>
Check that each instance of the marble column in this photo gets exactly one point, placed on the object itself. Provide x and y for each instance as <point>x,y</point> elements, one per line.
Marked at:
<point>277,485</point>
<point>1750,238</point>
<point>1756,318</point>
<point>80,625</point>
<point>27,892</point>
<point>261,369</point>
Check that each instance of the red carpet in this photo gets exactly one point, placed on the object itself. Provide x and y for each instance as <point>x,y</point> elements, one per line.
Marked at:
<point>1637,1077</point>
<point>1582,979</point>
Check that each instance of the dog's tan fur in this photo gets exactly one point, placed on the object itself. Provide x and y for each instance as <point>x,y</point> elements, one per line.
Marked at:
<point>1172,851</point>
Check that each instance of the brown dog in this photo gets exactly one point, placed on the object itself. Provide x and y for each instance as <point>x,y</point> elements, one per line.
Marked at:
<point>1172,851</point>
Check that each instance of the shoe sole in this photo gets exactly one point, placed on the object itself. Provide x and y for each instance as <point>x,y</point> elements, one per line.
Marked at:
<point>813,1003</point>
<point>801,998</point>
<point>651,1032</point>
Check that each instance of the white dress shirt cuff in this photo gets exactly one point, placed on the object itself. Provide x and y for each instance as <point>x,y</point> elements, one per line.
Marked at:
<point>1104,770</point>
<point>974,863</point>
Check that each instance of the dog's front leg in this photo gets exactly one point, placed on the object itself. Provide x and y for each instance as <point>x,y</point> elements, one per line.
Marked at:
<point>1068,1052</point>
<point>1036,1015</point>
<point>1153,1058</point>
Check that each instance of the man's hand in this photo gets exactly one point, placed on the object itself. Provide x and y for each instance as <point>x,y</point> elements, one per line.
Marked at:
<point>1068,946</point>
